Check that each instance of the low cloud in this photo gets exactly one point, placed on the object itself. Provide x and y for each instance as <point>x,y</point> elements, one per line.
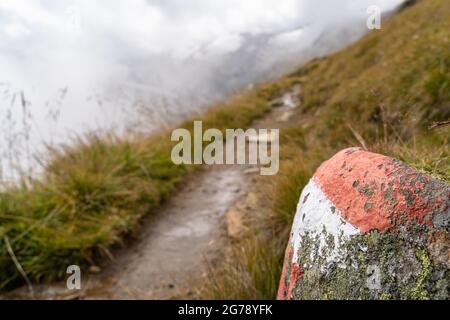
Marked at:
<point>71,66</point>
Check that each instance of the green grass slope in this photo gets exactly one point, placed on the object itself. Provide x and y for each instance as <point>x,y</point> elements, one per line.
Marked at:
<point>383,93</point>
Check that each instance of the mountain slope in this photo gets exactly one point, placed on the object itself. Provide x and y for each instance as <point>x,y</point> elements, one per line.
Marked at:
<point>382,93</point>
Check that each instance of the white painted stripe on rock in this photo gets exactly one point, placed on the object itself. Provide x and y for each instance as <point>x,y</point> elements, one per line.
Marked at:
<point>317,216</point>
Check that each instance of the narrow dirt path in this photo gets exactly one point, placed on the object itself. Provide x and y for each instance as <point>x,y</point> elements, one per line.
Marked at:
<point>170,256</point>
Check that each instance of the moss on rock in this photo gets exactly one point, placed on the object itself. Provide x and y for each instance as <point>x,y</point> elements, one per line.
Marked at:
<point>378,265</point>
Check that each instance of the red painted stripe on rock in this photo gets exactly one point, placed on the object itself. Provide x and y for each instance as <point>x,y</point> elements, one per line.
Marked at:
<point>290,274</point>
<point>373,191</point>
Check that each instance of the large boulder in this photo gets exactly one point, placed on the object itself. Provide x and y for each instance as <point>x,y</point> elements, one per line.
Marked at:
<point>368,226</point>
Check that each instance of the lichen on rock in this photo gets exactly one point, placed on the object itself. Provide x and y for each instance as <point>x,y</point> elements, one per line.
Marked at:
<point>389,239</point>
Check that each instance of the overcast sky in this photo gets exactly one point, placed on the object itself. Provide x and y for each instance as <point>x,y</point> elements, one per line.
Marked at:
<point>80,64</point>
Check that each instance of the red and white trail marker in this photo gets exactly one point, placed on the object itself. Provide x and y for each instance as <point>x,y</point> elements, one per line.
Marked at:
<point>351,194</point>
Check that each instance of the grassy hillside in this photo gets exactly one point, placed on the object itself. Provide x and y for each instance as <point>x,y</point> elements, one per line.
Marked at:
<point>382,93</point>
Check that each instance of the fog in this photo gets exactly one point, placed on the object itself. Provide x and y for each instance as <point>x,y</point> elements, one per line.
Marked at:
<point>68,67</point>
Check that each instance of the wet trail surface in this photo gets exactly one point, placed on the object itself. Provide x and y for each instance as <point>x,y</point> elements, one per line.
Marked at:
<point>169,257</point>
<point>171,254</point>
